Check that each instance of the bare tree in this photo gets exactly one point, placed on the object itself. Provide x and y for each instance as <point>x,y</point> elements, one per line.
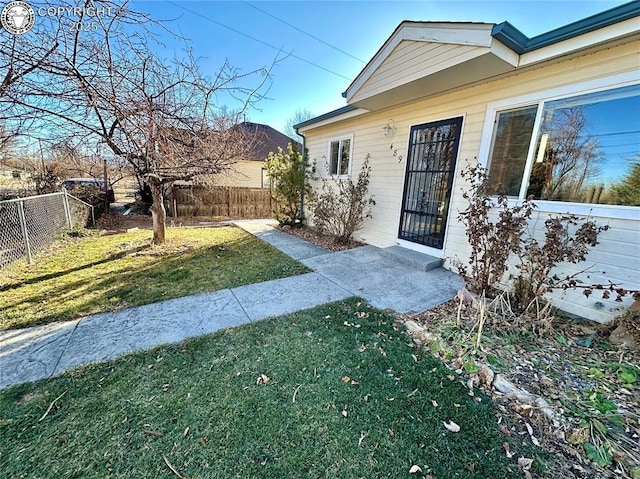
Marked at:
<point>107,87</point>
<point>571,158</point>
<point>301,114</point>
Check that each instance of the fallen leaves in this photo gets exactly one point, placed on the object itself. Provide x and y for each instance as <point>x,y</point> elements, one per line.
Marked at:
<point>347,379</point>
<point>525,463</point>
<point>451,426</point>
<point>351,325</point>
<point>507,450</point>
<point>530,431</point>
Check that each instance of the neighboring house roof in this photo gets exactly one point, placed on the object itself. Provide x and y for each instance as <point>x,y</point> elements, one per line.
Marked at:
<point>266,140</point>
<point>425,58</point>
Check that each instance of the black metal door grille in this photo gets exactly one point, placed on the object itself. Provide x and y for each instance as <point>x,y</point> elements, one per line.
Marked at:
<point>431,163</point>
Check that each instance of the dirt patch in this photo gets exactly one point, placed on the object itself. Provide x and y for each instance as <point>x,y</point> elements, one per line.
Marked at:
<point>30,397</point>
<point>309,234</point>
<point>571,393</point>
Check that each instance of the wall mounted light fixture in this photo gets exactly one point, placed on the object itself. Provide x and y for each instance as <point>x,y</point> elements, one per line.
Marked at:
<point>389,129</point>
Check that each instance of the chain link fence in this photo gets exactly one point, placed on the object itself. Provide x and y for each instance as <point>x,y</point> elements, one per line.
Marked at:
<point>28,225</point>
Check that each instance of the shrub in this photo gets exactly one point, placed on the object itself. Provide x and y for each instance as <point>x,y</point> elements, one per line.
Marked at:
<point>342,207</point>
<point>560,245</point>
<point>288,181</point>
<point>568,238</point>
<point>492,242</point>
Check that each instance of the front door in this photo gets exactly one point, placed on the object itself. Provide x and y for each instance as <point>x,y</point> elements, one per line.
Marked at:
<point>431,163</point>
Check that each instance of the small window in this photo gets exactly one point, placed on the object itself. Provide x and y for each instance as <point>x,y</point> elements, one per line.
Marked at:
<point>340,157</point>
<point>508,157</point>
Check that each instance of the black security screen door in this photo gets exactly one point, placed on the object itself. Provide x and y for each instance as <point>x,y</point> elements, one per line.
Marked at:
<point>431,163</point>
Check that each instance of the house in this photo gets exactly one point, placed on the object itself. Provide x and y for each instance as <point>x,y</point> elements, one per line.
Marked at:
<point>14,181</point>
<point>556,116</point>
<point>250,172</point>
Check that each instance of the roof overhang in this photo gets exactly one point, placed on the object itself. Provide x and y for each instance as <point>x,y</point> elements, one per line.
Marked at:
<point>421,59</point>
<point>472,55</point>
<point>340,114</point>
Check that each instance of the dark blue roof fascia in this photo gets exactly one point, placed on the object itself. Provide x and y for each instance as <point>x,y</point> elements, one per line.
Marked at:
<point>520,43</point>
<point>331,114</point>
<point>510,36</point>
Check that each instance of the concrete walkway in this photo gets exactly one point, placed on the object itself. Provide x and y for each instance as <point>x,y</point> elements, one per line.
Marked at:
<point>44,351</point>
<point>367,271</point>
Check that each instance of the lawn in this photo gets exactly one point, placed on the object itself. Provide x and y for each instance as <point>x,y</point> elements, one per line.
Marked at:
<point>333,392</point>
<point>104,273</point>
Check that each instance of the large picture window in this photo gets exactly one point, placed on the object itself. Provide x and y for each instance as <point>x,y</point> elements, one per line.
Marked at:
<point>586,149</point>
<point>340,156</point>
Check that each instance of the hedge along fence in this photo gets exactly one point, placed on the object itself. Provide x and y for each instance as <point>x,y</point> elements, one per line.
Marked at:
<point>223,201</point>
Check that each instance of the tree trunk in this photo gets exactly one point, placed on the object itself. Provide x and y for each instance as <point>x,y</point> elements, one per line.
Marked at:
<point>158,212</point>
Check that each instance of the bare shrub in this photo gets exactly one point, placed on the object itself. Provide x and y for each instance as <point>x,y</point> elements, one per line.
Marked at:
<point>341,207</point>
<point>491,241</point>
<point>494,243</point>
<point>560,245</point>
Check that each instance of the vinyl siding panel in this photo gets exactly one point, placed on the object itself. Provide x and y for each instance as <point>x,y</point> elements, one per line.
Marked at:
<point>619,250</point>
<point>411,60</point>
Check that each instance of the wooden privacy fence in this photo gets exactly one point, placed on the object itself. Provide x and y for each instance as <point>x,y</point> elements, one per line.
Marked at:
<point>230,202</point>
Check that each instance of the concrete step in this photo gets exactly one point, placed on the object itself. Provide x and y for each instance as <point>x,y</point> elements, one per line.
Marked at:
<point>420,261</point>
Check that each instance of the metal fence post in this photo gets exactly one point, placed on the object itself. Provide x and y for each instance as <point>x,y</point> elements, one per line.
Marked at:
<point>23,227</point>
<point>67,211</point>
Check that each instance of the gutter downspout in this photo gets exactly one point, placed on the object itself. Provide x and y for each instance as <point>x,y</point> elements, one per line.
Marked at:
<point>304,168</point>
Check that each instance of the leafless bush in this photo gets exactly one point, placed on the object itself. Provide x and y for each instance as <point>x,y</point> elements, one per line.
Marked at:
<point>341,207</point>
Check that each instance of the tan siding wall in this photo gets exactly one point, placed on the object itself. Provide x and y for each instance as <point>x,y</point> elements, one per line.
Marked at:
<point>247,174</point>
<point>471,103</point>
<point>411,60</point>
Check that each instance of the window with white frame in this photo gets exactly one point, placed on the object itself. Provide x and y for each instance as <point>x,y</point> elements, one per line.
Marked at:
<point>339,163</point>
<point>579,149</point>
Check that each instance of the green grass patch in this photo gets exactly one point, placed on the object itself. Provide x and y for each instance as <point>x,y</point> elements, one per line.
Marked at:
<point>333,392</point>
<point>106,273</point>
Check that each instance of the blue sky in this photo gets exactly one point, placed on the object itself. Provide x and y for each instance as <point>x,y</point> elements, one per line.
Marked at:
<point>220,31</point>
